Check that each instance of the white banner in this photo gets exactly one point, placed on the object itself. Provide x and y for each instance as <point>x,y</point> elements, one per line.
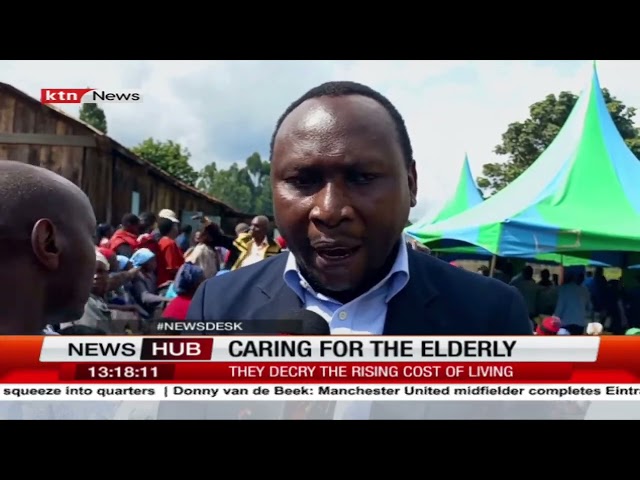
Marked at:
<point>215,392</point>
<point>319,349</point>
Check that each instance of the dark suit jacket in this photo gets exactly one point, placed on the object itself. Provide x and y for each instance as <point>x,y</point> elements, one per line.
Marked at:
<point>439,299</point>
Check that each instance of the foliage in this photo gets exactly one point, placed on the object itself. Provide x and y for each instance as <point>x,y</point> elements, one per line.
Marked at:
<point>170,156</point>
<point>92,114</point>
<point>246,188</point>
<point>524,142</point>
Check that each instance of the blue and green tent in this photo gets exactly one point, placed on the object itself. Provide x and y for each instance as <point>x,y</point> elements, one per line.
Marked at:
<point>580,198</point>
<point>466,196</point>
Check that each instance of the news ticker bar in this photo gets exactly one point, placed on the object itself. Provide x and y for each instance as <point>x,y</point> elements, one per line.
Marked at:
<point>319,349</point>
<point>326,392</point>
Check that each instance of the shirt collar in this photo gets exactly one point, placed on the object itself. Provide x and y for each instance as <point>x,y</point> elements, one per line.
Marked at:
<point>394,281</point>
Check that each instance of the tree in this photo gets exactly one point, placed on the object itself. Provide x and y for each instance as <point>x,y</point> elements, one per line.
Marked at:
<point>171,157</point>
<point>227,185</point>
<point>247,189</point>
<point>92,114</point>
<point>524,142</point>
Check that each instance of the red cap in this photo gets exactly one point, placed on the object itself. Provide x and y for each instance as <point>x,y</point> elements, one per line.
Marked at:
<point>549,326</point>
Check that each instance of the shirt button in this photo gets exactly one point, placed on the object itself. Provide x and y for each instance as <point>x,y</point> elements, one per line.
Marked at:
<point>342,315</point>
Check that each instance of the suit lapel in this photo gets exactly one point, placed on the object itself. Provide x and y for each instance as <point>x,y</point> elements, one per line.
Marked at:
<point>413,310</point>
<point>279,299</point>
<point>279,302</point>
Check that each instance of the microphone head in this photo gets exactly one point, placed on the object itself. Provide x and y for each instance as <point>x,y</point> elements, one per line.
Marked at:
<point>304,322</point>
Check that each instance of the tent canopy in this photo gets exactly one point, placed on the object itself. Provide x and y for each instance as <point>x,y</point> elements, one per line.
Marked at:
<point>579,198</point>
<point>466,196</point>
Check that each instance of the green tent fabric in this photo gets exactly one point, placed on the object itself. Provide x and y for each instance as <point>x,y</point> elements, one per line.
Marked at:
<point>581,198</point>
<point>466,195</point>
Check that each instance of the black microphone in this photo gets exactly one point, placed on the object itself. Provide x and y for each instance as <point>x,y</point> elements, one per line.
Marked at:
<point>302,322</point>
<point>306,322</point>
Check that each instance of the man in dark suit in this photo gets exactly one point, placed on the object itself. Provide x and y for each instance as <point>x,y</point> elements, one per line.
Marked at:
<point>344,180</point>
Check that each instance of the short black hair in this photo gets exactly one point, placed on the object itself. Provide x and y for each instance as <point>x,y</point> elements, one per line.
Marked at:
<point>103,230</point>
<point>130,219</point>
<point>341,89</point>
<point>186,229</point>
<point>164,226</point>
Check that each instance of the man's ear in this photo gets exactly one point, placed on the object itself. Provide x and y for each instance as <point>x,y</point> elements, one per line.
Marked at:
<point>413,183</point>
<point>45,244</point>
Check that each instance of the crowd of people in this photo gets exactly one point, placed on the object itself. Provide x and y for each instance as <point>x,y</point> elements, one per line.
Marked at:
<point>149,267</point>
<point>585,302</point>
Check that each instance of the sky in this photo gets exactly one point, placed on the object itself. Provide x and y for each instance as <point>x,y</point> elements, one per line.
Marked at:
<point>223,111</point>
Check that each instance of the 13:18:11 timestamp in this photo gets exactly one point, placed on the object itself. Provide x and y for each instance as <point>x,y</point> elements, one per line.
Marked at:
<point>124,372</point>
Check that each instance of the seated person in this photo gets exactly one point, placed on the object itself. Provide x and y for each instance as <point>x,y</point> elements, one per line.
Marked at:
<point>144,287</point>
<point>189,277</point>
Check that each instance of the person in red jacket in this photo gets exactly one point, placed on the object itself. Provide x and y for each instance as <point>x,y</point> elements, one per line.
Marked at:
<point>170,257</point>
<point>187,281</point>
<point>125,241</point>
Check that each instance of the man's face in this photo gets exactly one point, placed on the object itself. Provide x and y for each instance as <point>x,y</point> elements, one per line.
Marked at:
<point>100,279</point>
<point>258,229</point>
<point>341,189</point>
<point>72,282</point>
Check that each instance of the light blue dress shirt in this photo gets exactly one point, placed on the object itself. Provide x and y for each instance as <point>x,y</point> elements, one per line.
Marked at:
<point>364,315</point>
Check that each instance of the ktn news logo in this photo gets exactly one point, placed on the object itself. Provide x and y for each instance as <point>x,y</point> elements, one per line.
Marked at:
<point>88,95</point>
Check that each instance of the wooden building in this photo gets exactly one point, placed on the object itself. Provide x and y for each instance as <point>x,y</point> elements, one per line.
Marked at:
<point>116,181</point>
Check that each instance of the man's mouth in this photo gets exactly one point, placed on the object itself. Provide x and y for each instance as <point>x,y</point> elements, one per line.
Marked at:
<point>333,254</point>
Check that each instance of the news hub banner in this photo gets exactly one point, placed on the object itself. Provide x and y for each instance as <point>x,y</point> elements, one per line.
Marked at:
<point>319,377</point>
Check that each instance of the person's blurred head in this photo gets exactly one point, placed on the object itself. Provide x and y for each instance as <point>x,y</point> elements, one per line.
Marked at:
<point>168,228</point>
<point>144,259</point>
<point>483,270</point>
<point>131,223</point>
<point>147,222</point>
<point>549,326</point>
<point>594,328</point>
<point>103,231</point>
<point>242,228</point>
<point>188,279</point>
<point>124,263</point>
<point>101,275</point>
<point>47,249</point>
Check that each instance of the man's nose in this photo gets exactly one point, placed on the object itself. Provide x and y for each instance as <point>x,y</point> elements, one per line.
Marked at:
<point>332,205</point>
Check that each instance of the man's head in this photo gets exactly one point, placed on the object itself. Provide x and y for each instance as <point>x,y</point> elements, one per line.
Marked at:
<point>47,250</point>
<point>101,276</point>
<point>167,227</point>
<point>147,222</point>
<point>242,228</point>
<point>131,223</point>
<point>343,180</point>
<point>259,228</point>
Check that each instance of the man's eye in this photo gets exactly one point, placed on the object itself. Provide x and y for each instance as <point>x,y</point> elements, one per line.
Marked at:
<point>361,177</point>
<point>301,181</point>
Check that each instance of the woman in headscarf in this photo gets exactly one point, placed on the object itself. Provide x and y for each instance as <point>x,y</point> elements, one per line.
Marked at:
<point>144,287</point>
<point>204,254</point>
<point>188,279</point>
<point>118,276</point>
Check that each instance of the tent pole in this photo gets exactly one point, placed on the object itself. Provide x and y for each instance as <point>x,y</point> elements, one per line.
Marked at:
<point>492,266</point>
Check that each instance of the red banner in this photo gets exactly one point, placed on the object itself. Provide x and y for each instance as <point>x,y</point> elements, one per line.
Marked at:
<point>618,362</point>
